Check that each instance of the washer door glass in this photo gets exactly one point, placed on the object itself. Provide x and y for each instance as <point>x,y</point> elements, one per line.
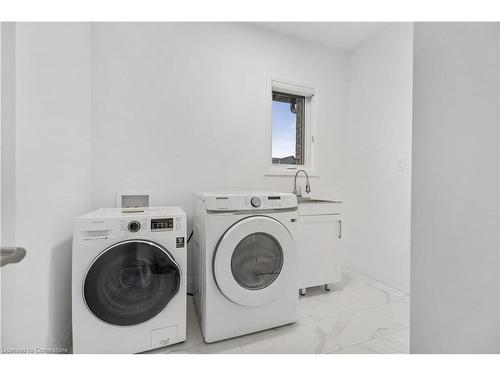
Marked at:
<point>257,261</point>
<point>131,282</point>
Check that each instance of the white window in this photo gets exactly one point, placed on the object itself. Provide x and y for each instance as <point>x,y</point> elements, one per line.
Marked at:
<point>291,128</point>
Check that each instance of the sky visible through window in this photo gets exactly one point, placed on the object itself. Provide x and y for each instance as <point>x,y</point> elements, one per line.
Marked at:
<point>284,130</point>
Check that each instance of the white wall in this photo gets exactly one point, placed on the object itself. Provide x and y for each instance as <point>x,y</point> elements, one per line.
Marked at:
<point>7,175</point>
<point>52,173</point>
<point>179,108</point>
<point>8,133</point>
<point>378,134</point>
<point>1,190</point>
<point>455,189</point>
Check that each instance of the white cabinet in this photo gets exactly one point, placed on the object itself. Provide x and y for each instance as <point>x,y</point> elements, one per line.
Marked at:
<point>318,241</point>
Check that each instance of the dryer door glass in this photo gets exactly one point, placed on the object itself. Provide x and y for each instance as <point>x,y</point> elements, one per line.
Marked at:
<point>131,282</point>
<point>256,261</point>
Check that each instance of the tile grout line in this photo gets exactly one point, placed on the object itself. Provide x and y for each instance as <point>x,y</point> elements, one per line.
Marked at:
<point>366,341</point>
<point>390,317</point>
<point>373,307</point>
<point>372,337</point>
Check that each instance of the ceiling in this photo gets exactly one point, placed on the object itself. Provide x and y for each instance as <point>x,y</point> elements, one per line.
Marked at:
<point>339,35</point>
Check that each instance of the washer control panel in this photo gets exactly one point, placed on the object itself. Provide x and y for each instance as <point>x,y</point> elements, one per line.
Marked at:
<point>156,224</point>
<point>113,224</point>
<point>162,224</point>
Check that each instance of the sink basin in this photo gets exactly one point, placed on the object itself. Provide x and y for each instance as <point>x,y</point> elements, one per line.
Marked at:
<point>315,206</point>
<point>301,200</point>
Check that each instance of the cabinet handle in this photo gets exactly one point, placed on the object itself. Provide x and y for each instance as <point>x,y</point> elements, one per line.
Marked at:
<point>340,228</point>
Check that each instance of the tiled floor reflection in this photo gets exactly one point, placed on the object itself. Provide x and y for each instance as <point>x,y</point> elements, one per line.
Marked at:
<point>354,317</point>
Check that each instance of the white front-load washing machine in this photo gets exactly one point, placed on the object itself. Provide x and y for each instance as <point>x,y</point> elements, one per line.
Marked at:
<point>245,262</point>
<point>129,280</point>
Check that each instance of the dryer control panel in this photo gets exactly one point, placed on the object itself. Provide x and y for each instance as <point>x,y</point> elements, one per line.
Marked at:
<point>250,201</point>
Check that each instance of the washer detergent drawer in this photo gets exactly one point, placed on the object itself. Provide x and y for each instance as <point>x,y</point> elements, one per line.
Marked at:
<point>163,336</point>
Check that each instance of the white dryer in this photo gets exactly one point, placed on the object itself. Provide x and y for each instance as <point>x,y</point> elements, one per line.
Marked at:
<point>129,280</point>
<point>245,262</point>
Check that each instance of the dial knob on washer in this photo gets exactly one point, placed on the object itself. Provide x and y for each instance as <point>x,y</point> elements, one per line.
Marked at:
<point>134,226</point>
<point>255,201</point>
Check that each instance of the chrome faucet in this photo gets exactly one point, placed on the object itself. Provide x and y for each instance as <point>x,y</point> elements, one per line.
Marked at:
<point>308,187</point>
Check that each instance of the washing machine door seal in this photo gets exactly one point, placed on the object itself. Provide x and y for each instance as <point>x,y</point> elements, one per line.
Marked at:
<point>131,282</point>
<point>252,261</point>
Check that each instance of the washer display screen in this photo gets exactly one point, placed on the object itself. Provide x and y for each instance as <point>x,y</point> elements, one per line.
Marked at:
<point>162,224</point>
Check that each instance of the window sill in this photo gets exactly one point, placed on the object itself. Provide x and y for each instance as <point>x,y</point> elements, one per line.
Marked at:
<point>290,171</point>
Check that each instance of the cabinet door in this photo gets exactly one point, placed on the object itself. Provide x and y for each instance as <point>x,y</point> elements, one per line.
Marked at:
<point>318,245</point>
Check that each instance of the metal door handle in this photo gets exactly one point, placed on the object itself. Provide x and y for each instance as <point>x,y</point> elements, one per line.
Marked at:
<point>340,228</point>
<point>11,255</point>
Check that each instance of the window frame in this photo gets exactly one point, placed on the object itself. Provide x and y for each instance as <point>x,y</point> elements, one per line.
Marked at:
<point>311,127</point>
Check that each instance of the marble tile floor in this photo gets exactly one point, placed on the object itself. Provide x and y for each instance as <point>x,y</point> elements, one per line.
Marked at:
<point>355,317</point>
